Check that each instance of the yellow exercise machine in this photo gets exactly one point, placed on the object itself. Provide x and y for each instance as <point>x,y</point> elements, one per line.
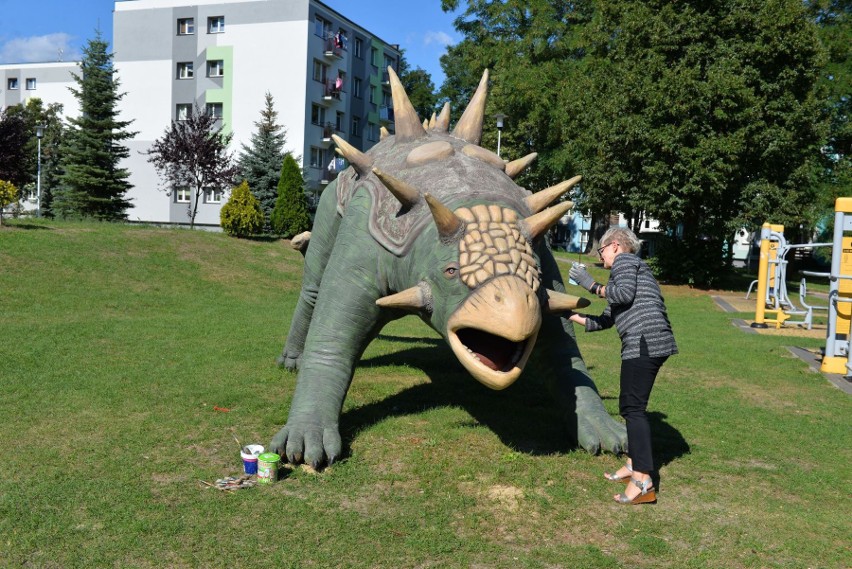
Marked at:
<point>838,340</point>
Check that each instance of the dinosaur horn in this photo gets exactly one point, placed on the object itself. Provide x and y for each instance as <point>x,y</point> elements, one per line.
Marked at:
<point>383,133</point>
<point>425,124</point>
<point>407,123</point>
<point>449,224</point>
<point>469,127</point>
<point>560,302</point>
<point>442,123</point>
<point>406,194</point>
<point>539,223</point>
<point>540,200</point>
<point>432,122</point>
<point>360,161</point>
<point>416,298</point>
<point>515,167</point>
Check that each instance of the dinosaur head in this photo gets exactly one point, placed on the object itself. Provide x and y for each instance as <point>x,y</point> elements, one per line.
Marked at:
<point>478,276</point>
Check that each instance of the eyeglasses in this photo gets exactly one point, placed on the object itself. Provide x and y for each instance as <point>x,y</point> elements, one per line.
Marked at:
<point>601,249</point>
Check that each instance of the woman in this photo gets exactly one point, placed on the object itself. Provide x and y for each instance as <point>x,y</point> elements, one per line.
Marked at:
<point>636,307</point>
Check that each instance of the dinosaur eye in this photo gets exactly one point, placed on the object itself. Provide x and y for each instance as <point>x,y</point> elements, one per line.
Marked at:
<point>451,271</point>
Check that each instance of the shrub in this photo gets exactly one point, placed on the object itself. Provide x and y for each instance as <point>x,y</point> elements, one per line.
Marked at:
<point>8,195</point>
<point>290,216</point>
<point>241,216</point>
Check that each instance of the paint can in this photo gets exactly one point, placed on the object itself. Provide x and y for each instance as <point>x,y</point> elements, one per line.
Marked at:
<point>249,454</point>
<point>267,467</point>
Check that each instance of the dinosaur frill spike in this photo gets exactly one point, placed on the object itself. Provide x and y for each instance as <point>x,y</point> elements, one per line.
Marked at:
<point>432,122</point>
<point>540,200</point>
<point>449,225</point>
<point>383,133</point>
<point>406,194</point>
<point>537,224</point>
<point>407,123</point>
<point>469,127</point>
<point>360,161</point>
<point>442,123</point>
<point>560,302</point>
<point>515,167</point>
<point>416,298</point>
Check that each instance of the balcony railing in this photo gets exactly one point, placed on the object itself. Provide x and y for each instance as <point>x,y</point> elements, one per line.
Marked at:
<point>327,131</point>
<point>335,44</point>
<point>332,89</point>
<point>386,114</point>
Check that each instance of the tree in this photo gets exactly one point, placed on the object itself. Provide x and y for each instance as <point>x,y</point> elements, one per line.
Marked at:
<point>8,195</point>
<point>13,147</point>
<point>92,183</point>
<point>193,154</point>
<point>419,87</point>
<point>702,115</point>
<point>242,216</point>
<point>260,163</point>
<point>290,216</point>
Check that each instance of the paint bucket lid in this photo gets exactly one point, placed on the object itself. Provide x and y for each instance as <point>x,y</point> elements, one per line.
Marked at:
<point>269,457</point>
<point>251,452</point>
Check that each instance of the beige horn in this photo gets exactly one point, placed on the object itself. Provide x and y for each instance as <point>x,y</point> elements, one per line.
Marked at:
<point>539,223</point>
<point>407,195</point>
<point>449,224</point>
<point>515,167</point>
<point>560,302</point>
<point>360,161</point>
<point>540,200</point>
<point>442,123</point>
<point>469,127</point>
<point>416,298</point>
<point>406,122</point>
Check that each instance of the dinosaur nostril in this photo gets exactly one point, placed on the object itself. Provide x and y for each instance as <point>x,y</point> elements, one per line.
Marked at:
<point>498,298</point>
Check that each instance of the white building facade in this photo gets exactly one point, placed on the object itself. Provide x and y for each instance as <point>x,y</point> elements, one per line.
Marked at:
<point>325,73</point>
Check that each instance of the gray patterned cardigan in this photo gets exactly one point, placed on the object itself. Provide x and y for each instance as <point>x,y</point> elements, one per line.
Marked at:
<point>636,307</point>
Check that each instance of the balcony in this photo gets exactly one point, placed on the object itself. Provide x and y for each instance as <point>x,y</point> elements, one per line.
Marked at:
<point>335,45</point>
<point>386,114</point>
<point>328,176</point>
<point>332,89</point>
<point>327,131</point>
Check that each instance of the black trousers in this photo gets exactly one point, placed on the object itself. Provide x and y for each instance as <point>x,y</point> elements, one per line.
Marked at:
<point>637,380</point>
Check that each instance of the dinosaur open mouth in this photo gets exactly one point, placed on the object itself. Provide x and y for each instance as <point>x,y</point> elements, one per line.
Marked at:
<point>494,352</point>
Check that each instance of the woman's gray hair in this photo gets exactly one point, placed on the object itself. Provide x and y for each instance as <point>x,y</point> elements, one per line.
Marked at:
<point>625,237</point>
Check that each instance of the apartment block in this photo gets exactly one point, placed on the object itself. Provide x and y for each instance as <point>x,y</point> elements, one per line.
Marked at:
<point>326,74</point>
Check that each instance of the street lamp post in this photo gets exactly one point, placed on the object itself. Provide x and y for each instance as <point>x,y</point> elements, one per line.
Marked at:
<point>499,117</point>
<point>39,136</point>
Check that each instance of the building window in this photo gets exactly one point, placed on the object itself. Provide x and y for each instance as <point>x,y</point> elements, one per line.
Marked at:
<point>213,196</point>
<point>356,87</point>
<point>215,68</point>
<point>320,71</point>
<point>322,27</point>
<point>182,111</point>
<point>372,132</point>
<point>216,25</point>
<point>374,57</point>
<point>387,99</point>
<point>372,96</point>
<point>12,83</point>
<point>317,157</point>
<point>214,110</point>
<point>359,48</point>
<point>185,70</point>
<point>185,26</point>
<point>338,124</point>
<point>389,62</point>
<point>31,83</point>
<point>182,195</point>
<point>356,126</point>
<point>317,115</point>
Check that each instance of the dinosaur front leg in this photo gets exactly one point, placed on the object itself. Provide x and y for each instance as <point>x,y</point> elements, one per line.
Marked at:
<point>323,236</point>
<point>344,321</point>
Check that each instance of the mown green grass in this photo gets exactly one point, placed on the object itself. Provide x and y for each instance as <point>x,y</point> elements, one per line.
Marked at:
<point>119,341</point>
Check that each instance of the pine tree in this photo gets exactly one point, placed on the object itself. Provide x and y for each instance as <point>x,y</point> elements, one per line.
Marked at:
<point>260,162</point>
<point>92,182</point>
<point>290,216</point>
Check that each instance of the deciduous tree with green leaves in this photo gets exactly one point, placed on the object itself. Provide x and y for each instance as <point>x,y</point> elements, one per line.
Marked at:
<point>92,182</point>
<point>8,195</point>
<point>290,216</point>
<point>193,153</point>
<point>260,162</point>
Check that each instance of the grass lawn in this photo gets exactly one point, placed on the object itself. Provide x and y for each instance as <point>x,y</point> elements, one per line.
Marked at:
<point>121,344</point>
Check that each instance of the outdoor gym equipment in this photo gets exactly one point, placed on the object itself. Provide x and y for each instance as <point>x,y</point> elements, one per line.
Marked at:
<point>838,340</point>
<point>772,281</point>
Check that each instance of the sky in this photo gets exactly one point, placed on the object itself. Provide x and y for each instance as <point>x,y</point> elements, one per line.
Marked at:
<point>52,30</point>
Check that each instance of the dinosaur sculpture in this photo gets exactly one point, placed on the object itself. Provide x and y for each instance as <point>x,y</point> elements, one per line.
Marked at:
<point>430,223</point>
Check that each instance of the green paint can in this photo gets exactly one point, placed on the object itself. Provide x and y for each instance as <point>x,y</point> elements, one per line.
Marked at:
<point>267,468</point>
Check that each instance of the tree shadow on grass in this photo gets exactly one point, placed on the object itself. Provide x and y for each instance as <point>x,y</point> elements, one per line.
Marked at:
<point>26,226</point>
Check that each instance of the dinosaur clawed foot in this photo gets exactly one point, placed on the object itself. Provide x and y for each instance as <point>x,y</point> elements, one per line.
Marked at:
<point>313,443</point>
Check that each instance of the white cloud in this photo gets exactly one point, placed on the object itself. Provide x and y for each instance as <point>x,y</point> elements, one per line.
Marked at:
<point>440,38</point>
<point>38,49</point>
